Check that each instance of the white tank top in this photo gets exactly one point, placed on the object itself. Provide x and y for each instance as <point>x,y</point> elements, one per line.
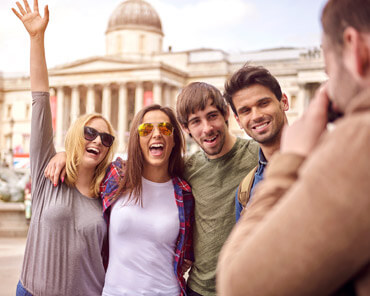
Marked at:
<point>142,244</point>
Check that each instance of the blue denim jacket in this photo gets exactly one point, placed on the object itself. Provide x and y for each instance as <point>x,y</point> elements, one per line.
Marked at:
<point>258,176</point>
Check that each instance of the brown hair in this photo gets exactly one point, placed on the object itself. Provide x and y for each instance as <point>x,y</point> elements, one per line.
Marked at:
<point>337,15</point>
<point>195,97</point>
<point>134,166</point>
<point>248,76</point>
<point>75,148</point>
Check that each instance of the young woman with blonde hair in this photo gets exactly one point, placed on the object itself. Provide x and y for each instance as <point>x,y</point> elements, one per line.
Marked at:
<point>67,230</point>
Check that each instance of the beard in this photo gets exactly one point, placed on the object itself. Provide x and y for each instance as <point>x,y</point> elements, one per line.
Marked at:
<point>343,87</point>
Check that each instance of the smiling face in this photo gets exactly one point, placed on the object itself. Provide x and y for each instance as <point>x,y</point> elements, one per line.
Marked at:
<point>260,113</point>
<point>209,130</point>
<point>156,148</point>
<point>95,151</point>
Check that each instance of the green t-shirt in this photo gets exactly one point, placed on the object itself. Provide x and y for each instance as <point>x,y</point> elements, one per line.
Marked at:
<point>214,183</point>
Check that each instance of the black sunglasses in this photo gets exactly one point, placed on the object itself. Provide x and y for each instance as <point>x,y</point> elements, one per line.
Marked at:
<point>90,134</point>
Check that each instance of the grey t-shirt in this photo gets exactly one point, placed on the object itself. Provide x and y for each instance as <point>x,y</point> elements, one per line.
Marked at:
<point>67,229</point>
<point>214,183</point>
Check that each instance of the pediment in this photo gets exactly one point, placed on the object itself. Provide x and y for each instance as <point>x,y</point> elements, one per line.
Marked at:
<point>96,64</point>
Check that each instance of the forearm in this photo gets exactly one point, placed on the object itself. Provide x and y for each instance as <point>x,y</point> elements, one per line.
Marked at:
<point>281,173</point>
<point>38,68</point>
<point>279,176</point>
<point>315,237</point>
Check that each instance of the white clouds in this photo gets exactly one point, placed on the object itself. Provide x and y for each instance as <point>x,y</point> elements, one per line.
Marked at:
<point>194,25</point>
<point>216,14</point>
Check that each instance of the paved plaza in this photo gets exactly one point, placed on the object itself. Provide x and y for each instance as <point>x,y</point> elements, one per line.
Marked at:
<point>11,257</point>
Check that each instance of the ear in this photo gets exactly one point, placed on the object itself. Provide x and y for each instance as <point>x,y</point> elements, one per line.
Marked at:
<point>237,120</point>
<point>284,102</point>
<point>356,52</point>
<point>186,129</point>
<point>227,114</point>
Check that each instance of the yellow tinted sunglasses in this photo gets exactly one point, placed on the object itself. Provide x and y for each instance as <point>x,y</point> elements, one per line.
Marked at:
<point>145,129</point>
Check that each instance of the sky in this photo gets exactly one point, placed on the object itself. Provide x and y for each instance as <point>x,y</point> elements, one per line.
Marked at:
<point>76,28</point>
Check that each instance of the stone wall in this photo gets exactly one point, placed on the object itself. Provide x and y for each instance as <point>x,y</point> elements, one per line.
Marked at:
<point>12,220</point>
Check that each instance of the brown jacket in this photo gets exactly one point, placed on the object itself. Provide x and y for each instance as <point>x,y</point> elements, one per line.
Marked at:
<point>307,231</point>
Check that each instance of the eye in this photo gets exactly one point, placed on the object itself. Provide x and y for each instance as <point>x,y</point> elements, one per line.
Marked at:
<point>212,116</point>
<point>244,111</point>
<point>194,122</point>
<point>264,103</point>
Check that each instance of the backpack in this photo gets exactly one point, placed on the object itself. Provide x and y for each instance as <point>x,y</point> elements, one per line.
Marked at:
<point>245,187</point>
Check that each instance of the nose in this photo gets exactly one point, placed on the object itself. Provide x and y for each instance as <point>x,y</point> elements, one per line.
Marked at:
<point>97,140</point>
<point>156,132</point>
<point>256,114</point>
<point>207,127</point>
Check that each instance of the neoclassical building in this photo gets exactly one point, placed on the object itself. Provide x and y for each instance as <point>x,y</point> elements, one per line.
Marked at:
<point>136,71</point>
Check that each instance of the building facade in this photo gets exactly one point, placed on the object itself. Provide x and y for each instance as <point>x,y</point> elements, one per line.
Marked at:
<point>136,71</point>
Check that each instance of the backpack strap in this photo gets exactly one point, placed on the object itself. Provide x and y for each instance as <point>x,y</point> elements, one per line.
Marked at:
<point>245,187</point>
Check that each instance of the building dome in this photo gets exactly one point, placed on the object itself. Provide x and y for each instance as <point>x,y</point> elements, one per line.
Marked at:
<point>135,14</point>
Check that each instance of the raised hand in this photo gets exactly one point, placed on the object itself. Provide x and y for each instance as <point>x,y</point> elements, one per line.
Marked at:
<point>33,22</point>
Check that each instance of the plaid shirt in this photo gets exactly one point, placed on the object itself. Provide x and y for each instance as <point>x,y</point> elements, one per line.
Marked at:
<point>185,204</point>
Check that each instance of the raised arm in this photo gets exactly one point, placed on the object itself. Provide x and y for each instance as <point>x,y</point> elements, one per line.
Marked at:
<point>35,26</point>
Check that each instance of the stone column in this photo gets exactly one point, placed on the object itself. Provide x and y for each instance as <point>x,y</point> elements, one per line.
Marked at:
<point>139,96</point>
<point>122,116</point>
<point>301,99</point>
<point>106,102</point>
<point>75,104</point>
<point>157,93</point>
<point>90,99</point>
<point>167,96</point>
<point>174,93</point>
<point>60,116</point>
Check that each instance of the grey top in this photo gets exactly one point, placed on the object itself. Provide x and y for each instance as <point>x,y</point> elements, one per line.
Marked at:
<point>67,229</point>
<point>214,183</point>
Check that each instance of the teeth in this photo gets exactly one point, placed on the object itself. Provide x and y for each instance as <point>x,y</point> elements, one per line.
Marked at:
<point>93,150</point>
<point>210,140</point>
<point>261,126</point>
<point>156,146</point>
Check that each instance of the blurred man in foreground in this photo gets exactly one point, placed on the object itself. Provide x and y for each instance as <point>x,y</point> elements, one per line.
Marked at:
<point>307,230</point>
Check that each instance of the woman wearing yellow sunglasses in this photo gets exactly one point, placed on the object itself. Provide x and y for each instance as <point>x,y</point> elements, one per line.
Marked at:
<point>150,209</point>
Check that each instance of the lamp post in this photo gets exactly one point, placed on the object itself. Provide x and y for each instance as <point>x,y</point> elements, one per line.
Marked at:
<point>11,123</point>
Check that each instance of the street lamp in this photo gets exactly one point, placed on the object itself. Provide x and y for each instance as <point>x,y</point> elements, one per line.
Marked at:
<point>11,123</point>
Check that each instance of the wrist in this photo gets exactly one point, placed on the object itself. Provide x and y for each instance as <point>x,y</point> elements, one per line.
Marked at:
<point>37,37</point>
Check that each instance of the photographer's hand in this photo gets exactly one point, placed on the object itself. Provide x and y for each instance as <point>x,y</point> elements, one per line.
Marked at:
<point>303,135</point>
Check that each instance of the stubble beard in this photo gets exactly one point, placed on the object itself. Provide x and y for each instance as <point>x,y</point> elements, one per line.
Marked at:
<point>216,150</point>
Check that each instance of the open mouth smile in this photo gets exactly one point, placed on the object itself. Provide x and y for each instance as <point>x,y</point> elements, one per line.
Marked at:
<point>93,151</point>
<point>156,149</point>
<point>261,127</point>
<point>211,141</point>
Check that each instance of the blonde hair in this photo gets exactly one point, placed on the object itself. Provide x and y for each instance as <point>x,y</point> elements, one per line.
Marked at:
<point>75,148</point>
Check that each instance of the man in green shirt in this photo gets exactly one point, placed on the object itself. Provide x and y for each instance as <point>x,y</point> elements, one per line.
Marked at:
<point>214,174</point>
